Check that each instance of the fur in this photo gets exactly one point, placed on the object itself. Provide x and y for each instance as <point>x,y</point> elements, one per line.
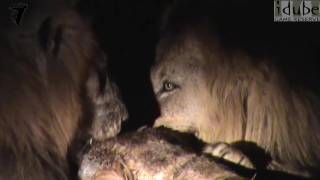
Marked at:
<point>42,75</point>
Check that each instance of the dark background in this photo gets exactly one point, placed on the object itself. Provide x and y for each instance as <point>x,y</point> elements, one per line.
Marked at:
<point>128,31</point>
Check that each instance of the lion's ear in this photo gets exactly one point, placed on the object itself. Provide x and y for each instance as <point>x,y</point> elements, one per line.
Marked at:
<point>50,38</point>
<point>56,34</point>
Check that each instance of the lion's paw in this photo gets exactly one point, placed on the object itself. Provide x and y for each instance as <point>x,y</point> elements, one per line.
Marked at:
<point>228,153</point>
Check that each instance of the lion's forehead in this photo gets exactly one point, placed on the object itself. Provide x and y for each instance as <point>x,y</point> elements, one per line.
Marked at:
<point>177,65</point>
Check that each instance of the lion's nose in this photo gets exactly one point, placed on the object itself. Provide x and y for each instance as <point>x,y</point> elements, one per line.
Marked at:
<point>125,114</point>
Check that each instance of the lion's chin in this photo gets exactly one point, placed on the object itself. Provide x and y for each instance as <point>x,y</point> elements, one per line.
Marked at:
<point>172,124</point>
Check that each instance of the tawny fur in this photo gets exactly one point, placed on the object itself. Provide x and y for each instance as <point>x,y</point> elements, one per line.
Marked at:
<point>41,104</point>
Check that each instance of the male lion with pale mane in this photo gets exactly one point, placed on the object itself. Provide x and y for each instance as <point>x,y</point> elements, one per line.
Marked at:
<point>231,96</point>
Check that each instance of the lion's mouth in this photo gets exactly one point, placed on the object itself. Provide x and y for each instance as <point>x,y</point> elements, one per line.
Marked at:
<point>172,124</point>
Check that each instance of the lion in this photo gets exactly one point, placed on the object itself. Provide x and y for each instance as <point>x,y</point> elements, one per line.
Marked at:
<point>53,90</point>
<point>226,95</point>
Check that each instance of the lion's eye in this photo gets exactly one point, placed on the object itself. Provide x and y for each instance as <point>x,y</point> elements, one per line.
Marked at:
<point>168,86</point>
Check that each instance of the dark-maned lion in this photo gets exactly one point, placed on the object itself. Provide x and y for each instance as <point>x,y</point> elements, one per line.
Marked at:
<point>229,95</point>
<point>50,86</point>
